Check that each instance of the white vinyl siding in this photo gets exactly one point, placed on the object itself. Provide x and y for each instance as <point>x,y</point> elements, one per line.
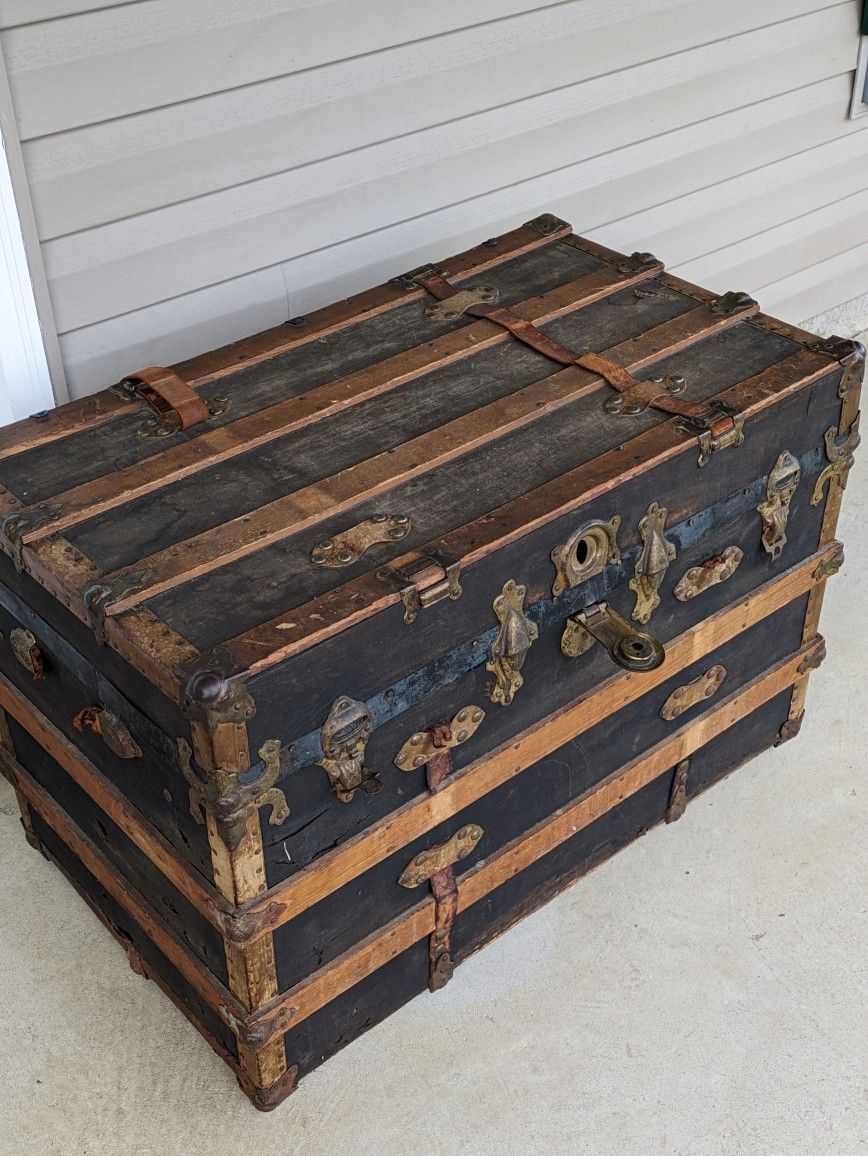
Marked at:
<point>201,170</point>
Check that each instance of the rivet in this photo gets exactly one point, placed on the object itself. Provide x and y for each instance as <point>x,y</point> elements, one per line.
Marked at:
<point>476,716</point>
<point>418,761</point>
<point>416,739</point>
<point>401,519</point>
<point>462,735</point>
<point>345,555</point>
<point>656,380</point>
<point>378,518</point>
<point>402,758</point>
<point>462,715</point>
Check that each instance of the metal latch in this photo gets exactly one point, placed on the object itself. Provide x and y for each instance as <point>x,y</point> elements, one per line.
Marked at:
<point>348,547</point>
<point>432,748</point>
<point>782,483</point>
<point>629,648</point>
<point>344,737</point>
<point>717,428</point>
<point>434,576</point>
<point>436,866</point>
<point>25,647</point>
<point>653,563</point>
<point>508,651</point>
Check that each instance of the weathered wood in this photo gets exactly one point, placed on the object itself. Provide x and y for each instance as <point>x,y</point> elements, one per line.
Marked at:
<point>348,861</point>
<point>289,515</point>
<point>344,607</point>
<point>343,973</point>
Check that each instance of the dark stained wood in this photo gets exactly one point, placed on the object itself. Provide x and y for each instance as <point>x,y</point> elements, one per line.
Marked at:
<point>286,516</point>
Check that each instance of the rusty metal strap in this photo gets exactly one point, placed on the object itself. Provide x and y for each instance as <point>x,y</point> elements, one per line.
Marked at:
<point>641,393</point>
<point>166,392</point>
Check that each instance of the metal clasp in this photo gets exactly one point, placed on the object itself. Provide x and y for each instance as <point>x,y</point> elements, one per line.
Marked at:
<point>627,647</point>
<point>839,450</point>
<point>653,563</point>
<point>775,510</point>
<point>344,737</point>
<point>434,577</point>
<point>509,650</point>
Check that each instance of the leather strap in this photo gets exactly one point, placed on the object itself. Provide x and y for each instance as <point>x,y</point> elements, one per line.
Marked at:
<point>444,888</point>
<point>166,392</point>
<point>639,393</point>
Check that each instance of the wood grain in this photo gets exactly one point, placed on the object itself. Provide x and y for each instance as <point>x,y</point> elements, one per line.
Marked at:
<point>184,561</point>
<point>205,898</point>
<point>307,997</point>
<point>351,859</point>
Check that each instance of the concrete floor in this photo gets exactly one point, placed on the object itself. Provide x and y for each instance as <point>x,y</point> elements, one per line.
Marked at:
<point>702,993</point>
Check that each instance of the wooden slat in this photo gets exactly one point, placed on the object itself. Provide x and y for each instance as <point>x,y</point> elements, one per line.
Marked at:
<point>343,607</point>
<point>205,898</point>
<point>351,859</point>
<point>70,419</point>
<point>307,997</point>
<point>122,486</point>
<point>192,969</point>
<point>306,507</point>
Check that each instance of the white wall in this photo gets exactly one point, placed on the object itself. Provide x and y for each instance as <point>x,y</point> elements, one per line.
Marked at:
<point>200,170</point>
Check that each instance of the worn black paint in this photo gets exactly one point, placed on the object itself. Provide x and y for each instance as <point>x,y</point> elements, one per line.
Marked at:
<point>152,783</point>
<point>345,917</point>
<point>293,698</point>
<point>112,913</point>
<point>53,468</point>
<point>387,989</point>
<point>126,859</point>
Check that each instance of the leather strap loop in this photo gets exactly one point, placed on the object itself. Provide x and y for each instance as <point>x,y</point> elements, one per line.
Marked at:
<point>166,392</point>
<point>641,393</point>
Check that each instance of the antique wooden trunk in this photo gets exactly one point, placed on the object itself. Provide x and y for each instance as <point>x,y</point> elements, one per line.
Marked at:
<point>328,655</point>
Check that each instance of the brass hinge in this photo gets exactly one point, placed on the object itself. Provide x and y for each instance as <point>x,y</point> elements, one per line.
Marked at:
<point>437,867</point>
<point>230,801</point>
<point>433,577</point>
<point>349,546</point>
<point>840,450</point>
<point>432,748</point>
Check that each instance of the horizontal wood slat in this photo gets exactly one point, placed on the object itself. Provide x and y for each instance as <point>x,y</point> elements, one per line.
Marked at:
<point>196,974</point>
<point>343,607</point>
<point>306,507</point>
<point>205,898</point>
<point>311,994</point>
<point>337,867</point>
<point>246,434</point>
<point>69,419</point>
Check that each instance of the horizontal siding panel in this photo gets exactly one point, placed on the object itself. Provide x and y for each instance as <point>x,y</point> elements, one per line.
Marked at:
<point>132,165</point>
<point>130,264</point>
<point>159,51</point>
<point>820,287</point>
<point>16,12</point>
<point>783,251</point>
<point>715,218</point>
<point>643,175</point>
<point>173,330</point>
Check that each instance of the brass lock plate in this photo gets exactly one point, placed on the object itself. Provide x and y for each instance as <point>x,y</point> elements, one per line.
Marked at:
<point>711,573</point>
<point>423,746</point>
<point>688,696</point>
<point>428,863</point>
<point>585,553</point>
<point>348,547</point>
<point>629,648</point>
<point>782,484</point>
<point>508,651</point>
